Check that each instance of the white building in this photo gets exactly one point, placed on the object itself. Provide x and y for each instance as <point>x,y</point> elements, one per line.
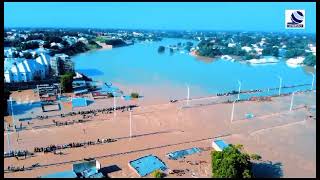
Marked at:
<point>8,51</point>
<point>44,60</point>
<point>257,49</point>
<point>70,39</point>
<point>61,63</point>
<point>232,45</point>
<point>295,62</point>
<point>312,49</point>
<point>60,46</point>
<point>83,40</point>
<point>246,48</point>
<point>23,70</point>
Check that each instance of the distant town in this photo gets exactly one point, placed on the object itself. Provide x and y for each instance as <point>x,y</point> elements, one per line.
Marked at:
<point>41,53</point>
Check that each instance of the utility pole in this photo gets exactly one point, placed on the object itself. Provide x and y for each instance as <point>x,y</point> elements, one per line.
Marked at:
<point>188,95</point>
<point>280,84</point>
<point>8,139</point>
<point>12,112</point>
<point>291,105</point>
<point>239,82</point>
<point>312,80</point>
<point>232,110</point>
<point>130,124</point>
<point>114,105</point>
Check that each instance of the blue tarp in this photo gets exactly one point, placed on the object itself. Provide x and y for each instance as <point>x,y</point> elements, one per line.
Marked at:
<point>127,98</point>
<point>147,164</point>
<point>79,102</point>
<point>64,174</point>
<point>249,115</point>
<point>182,153</point>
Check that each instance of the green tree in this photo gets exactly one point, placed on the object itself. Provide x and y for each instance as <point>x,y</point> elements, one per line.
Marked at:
<point>161,49</point>
<point>231,163</point>
<point>27,55</point>
<point>255,157</point>
<point>310,60</point>
<point>189,43</point>
<point>157,174</point>
<point>29,45</point>
<point>294,53</point>
<point>275,51</point>
<point>270,51</point>
<point>171,50</point>
<point>134,95</point>
<point>66,82</point>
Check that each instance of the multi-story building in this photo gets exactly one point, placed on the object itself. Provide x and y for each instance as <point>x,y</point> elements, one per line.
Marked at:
<point>60,64</point>
<point>23,70</point>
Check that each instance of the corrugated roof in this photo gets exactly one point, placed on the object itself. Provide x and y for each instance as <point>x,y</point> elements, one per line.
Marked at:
<point>8,62</point>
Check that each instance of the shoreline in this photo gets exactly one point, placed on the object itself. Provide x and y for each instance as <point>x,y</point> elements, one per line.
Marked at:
<point>104,46</point>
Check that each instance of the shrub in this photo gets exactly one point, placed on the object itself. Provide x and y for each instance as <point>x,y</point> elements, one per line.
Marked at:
<point>134,95</point>
<point>157,174</point>
<point>109,95</point>
<point>255,156</point>
<point>231,163</point>
<point>66,82</point>
<point>161,49</point>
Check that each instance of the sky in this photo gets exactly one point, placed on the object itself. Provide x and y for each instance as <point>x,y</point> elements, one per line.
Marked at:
<point>229,16</point>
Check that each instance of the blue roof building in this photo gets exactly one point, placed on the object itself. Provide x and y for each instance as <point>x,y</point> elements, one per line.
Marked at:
<point>85,169</point>
<point>219,145</point>
<point>63,174</point>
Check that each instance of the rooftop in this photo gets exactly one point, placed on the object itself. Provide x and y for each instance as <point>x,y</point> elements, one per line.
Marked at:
<point>63,174</point>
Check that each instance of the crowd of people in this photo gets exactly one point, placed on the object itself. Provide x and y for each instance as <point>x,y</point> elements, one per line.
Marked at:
<point>18,168</point>
<point>104,110</point>
<point>18,153</point>
<point>68,122</point>
<point>53,148</point>
<point>237,92</point>
<point>42,117</point>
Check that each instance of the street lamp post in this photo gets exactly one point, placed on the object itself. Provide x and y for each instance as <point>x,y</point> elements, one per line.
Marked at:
<point>114,104</point>
<point>232,110</point>
<point>130,124</point>
<point>12,113</point>
<point>312,80</point>
<point>8,139</point>
<point>291,105</point>
<point>280,84</point>
<point>188,95</point>
<point>239,82</point>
